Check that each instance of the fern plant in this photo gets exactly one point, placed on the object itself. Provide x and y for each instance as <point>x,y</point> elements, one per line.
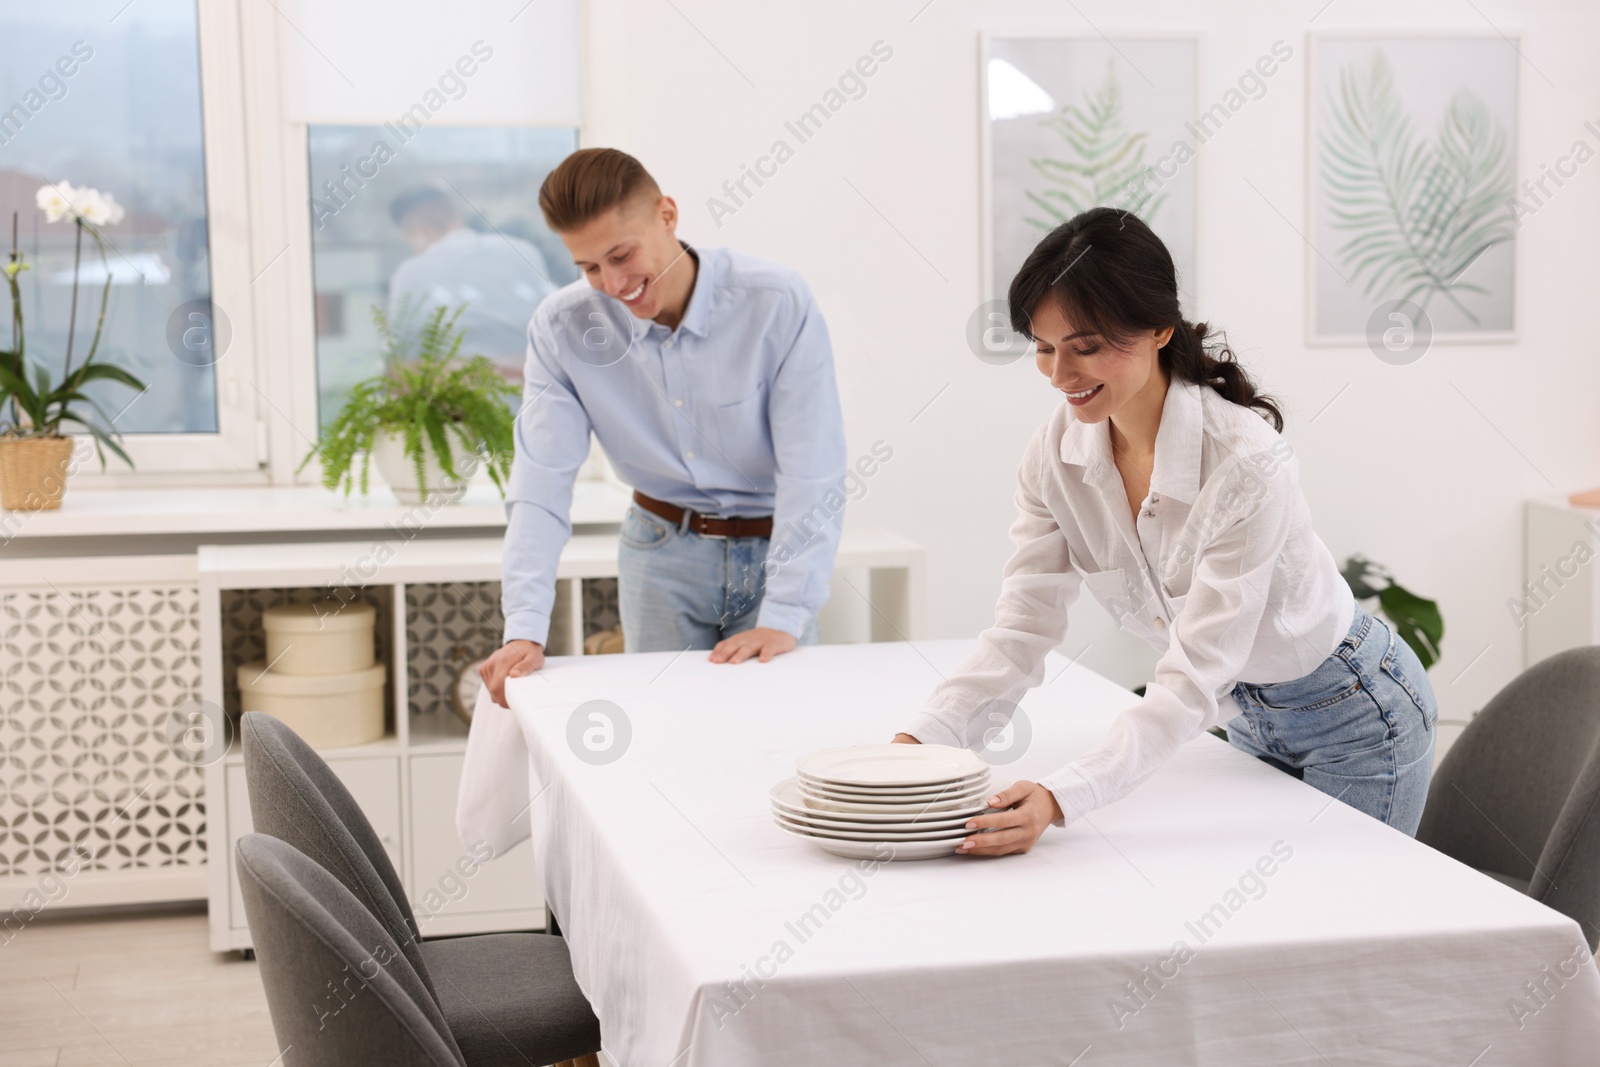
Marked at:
<point>1419,214</point>
<point>1106,163</point>
<point>430,396</point>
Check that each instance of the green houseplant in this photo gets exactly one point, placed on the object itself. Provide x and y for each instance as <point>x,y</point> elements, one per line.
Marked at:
<point>431,417</point>
<point>1416,619</point>
<point>35,405</point>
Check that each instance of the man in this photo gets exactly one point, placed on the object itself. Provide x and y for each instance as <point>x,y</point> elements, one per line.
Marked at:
<point>500,279</point>
<point>708,378</point>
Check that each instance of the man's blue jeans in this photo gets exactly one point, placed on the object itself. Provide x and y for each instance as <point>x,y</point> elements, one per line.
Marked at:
<point>679,590</point>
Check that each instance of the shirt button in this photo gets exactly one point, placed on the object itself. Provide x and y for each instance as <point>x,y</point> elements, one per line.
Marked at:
<point>666,344</point>
<point>677,403</point>
<point>688,455</point>
<point>1161,624</point>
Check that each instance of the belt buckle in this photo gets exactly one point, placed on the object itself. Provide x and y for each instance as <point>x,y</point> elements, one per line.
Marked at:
<point>691,515</point>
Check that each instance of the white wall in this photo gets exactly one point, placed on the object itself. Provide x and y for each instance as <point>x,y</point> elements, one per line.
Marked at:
<point>1400,467</point>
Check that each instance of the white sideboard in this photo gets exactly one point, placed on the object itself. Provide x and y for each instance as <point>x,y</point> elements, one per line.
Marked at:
<point>1558,606</point>
<point>100,646</point>
<point>407,781</point>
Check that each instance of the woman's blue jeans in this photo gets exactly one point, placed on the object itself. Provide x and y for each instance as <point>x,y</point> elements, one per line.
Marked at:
<point>679,590</point>
<point>1360,727</point>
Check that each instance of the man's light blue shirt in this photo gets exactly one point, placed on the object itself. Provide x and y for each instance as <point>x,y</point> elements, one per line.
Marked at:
<point>734,413</point>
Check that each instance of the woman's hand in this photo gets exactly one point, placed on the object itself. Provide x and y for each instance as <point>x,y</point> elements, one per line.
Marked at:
<point>1030,808</point>
<point>904,739</point>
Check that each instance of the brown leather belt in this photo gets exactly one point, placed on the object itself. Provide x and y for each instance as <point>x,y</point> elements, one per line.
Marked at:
<point>705,525</point>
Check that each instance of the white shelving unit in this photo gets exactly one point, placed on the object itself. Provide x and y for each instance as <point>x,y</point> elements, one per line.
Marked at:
<point>406,783</point>
<point>1561,597</point>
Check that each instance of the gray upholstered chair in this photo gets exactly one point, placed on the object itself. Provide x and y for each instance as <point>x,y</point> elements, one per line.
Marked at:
<point>1518,794</point>
<point>339,989</point>
<point>508,999</point>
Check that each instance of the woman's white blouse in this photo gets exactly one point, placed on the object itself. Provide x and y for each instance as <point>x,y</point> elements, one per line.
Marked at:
<point>1222,574</point>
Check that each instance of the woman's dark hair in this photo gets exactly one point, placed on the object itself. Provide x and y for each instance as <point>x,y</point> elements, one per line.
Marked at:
<point>1111,275</point>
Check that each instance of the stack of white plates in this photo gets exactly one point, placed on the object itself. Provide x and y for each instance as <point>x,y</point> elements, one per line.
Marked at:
<point>853,801</point>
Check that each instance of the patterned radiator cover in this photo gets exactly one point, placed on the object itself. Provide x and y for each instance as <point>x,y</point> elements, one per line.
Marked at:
<point>88,680</point>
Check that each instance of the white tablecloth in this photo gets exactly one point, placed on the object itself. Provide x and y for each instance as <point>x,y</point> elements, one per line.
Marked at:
<point>703,935</point>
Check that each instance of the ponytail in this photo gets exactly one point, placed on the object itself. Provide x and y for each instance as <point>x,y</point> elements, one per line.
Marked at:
<point>1188,358</point>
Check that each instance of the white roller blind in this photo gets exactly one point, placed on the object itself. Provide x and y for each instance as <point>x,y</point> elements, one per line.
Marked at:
<point>499,62</point>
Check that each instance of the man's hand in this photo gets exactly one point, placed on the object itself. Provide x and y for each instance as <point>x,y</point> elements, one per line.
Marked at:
<point>513,660</point>
<point>1031,808</point>
<point>904,739</point>
<point>762,642</point>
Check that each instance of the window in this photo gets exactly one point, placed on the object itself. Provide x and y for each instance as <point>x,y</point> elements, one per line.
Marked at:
<point>407,221</point>
<point>91,95</point>
<point>240,300</point>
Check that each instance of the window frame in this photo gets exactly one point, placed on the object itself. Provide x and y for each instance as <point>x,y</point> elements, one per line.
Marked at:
<point>237,450</point>
<point>281,151</point>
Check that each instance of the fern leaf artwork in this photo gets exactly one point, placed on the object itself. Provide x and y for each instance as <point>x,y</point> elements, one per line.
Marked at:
<point>1417,213</point>
<point>1103,164</point>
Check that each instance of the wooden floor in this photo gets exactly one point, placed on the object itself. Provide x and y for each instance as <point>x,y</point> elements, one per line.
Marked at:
<point>129,989</point>
<point>132,989</point>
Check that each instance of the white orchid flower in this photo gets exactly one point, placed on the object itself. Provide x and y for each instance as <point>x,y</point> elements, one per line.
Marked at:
<point>99,208</point>
<point>54,201</point>
<point>61,201</point>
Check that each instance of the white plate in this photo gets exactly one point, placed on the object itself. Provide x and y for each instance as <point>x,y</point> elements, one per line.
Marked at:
<point>866,765</point>
<point>937,809</point>
<point>953,792</point>
<point>875,835</point>
<point>955,834</point>
<point>824,822</point>
<point>881,850</point>
<point>893,790</point>
<point>967,806</point>
<point>786,795</point>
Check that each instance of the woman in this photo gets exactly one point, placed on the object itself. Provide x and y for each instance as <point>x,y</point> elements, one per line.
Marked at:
<point>1160,485</point>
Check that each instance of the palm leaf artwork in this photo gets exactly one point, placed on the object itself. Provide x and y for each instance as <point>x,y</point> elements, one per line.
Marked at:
<point>1419,214</point>
<point>1105,164</point>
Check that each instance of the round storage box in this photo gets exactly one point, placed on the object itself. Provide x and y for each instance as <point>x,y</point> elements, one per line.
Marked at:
<point>326,710</point>
<point>323,637</point>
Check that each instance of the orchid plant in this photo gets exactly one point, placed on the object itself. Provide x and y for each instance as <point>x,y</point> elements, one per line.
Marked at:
<point>32,402</point>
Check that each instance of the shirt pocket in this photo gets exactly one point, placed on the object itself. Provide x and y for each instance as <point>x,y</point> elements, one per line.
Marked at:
<point>744,437</point>
<point>1110,588</point>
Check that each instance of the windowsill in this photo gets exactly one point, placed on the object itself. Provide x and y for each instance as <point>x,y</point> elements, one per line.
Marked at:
<point>283,509</point>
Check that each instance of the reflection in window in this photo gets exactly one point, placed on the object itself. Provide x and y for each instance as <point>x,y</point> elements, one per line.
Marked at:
<point>107,95</point>
<point>449,216</point>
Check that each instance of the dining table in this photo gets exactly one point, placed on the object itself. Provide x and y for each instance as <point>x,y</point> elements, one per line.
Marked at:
<point>1223,913</point>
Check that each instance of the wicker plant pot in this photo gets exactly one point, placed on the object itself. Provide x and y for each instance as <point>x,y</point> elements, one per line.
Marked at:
<point>33,472</point>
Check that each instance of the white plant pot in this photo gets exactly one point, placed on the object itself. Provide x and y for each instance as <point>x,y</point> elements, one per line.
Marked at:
<point>389,454</point>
